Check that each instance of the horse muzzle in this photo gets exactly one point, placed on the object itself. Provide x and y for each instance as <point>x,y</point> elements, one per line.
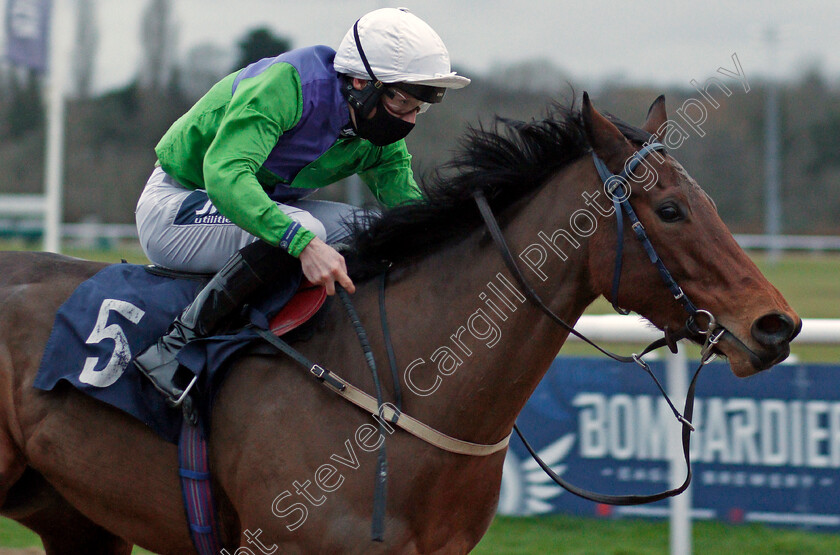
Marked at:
<point>768,344</point>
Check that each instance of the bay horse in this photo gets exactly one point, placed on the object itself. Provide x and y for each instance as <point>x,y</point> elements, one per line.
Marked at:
<point>291,466</point>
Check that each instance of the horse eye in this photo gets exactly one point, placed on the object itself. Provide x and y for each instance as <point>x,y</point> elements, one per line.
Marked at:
<point>669,213</point>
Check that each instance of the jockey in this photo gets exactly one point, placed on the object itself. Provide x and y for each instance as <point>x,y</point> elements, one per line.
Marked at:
<point>227,195</point>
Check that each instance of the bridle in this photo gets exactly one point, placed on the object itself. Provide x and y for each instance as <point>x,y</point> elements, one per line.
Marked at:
<point>394,415</point>
<point>622,205</point>
<point>712,332</point>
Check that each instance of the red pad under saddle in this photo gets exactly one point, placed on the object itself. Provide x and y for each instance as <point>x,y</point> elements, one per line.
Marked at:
<point>306,302</point>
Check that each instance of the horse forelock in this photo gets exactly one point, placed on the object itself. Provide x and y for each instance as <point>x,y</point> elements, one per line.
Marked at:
<point>506,160</point>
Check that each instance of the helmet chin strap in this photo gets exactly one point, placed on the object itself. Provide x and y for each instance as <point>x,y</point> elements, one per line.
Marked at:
<point>383,128</point>
<point>365,100</point>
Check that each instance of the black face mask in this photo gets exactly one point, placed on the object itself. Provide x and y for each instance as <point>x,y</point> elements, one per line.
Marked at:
<point>383,128</point>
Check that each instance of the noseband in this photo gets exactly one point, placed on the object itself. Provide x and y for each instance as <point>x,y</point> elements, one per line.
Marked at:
<point>712,332</point>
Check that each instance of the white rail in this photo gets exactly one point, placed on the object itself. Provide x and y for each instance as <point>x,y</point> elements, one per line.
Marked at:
<point>634,329</point>
<point>22,205</point>
<point>790,242</point>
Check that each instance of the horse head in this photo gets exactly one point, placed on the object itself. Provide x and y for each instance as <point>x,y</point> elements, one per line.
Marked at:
<point>698,250</point>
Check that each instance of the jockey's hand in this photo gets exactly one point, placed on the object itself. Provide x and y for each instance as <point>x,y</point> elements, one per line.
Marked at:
<point>322,265</point>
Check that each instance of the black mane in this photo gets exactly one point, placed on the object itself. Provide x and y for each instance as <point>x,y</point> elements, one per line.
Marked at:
<point>507,161</point>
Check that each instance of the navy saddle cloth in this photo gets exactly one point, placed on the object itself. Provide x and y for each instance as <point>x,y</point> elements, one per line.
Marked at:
<point>121,311</point>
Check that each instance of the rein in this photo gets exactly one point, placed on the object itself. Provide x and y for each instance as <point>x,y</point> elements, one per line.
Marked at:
<point>612,182</point>
<point>381,411</point>
<point>387,412</point>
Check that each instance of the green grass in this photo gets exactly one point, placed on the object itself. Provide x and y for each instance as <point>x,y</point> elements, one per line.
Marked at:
<point>574,535</point>
<point>15,535</point>
<point>566,534</point>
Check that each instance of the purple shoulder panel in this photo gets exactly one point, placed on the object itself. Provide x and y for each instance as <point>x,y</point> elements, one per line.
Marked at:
<point>324,113</point>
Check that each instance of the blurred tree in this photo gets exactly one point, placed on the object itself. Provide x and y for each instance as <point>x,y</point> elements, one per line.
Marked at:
<point>205,64</point>
<point>115,134</point>
<point>5,97</point>
<point>258,44</point>
<point>87,41</point>
<point>825,138</point>
<point>536,76</point>
<point>158,39</point>
<point>26,110</point>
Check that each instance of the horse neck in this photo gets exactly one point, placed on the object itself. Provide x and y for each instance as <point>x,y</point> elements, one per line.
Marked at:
<point>482,348</point>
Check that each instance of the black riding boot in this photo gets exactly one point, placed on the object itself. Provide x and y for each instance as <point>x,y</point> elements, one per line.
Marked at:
<point>223,295</point>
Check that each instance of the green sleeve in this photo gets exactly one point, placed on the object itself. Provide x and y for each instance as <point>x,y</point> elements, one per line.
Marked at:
<point>390,177</point>
<point>262,108</point>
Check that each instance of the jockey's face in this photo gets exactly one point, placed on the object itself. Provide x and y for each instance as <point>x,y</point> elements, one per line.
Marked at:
<point>398,103</point>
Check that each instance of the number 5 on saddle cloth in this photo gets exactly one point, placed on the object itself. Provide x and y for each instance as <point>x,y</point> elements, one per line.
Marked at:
<point>124,309</point>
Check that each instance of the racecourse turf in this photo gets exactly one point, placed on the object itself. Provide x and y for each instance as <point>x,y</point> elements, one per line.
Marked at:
<point>574,535</point>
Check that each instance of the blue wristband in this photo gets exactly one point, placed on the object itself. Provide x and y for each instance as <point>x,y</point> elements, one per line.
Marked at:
<point>288,237</point>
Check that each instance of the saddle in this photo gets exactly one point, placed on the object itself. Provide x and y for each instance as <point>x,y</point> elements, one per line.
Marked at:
<point>287,312</point>
<point>305,303</point>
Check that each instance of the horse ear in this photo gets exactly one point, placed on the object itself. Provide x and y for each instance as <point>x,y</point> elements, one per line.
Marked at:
<point>604,137</point>
<point>657,119</point>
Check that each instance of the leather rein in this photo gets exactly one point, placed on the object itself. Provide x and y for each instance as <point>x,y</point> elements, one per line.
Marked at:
<point>713,331</point>
<point>390,413</point>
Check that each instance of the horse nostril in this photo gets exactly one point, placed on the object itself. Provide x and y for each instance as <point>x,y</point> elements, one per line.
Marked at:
<point>796,330</point>
<point>773,329</point>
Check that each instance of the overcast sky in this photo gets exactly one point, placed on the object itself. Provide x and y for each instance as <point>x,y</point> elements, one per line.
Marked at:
<point>637,41</point>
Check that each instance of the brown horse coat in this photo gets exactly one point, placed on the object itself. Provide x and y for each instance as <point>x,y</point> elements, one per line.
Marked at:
<point>293,465</point>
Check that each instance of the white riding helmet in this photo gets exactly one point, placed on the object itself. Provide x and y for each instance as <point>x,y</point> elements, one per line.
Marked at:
<point>400,48</point>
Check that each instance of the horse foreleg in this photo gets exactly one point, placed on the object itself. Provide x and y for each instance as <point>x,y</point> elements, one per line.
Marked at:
<point>12,466</point>
<point>12,461</point>
<point>32,502</point>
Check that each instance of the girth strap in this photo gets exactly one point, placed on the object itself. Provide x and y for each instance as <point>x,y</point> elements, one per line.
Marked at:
<point>386,412</point>
<point>194,471</point>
